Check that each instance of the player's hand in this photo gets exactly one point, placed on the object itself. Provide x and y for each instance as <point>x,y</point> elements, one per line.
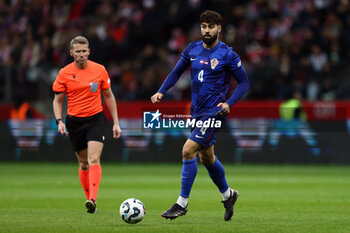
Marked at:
<point>117,132</point>
<point>156,97</point>
<point>225,109</point>
<point>62,128</point>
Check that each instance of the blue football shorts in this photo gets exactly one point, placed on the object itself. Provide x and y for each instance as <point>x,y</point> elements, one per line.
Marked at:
<point>204,135</point>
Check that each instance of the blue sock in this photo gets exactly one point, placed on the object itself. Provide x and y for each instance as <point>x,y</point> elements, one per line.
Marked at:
<point>188,174</point>
<point>217,174</point>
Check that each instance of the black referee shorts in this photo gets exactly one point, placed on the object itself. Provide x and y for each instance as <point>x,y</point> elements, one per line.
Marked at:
<point>84,129</point>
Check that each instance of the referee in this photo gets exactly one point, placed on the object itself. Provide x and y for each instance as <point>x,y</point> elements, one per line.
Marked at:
<point>82,81</point>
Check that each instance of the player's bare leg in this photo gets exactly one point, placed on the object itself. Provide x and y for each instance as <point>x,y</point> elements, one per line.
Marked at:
<point>188,174</point>
<point>206,156</point>
<point>217,174</point>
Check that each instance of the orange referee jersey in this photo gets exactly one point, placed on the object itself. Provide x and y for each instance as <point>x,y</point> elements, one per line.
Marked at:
<point>83,88</point>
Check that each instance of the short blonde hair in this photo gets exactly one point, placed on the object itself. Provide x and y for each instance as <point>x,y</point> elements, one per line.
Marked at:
<point>78,40</point>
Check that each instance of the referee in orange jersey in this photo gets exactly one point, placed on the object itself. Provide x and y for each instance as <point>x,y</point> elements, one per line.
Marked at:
<point>82,81</point>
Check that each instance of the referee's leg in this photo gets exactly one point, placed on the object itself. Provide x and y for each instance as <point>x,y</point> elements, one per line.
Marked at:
<point>94,151</point>
<point>84,171</point>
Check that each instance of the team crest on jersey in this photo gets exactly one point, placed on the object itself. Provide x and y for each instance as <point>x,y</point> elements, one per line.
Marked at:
<point>213,63</point>
<point>93,87</point>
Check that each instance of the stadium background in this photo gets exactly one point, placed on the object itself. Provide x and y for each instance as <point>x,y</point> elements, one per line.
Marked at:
<point>285,46</point>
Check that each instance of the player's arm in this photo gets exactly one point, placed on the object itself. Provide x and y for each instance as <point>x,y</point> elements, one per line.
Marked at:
<point>174,75</point>
<point>57,110</point>
<point>243,83</point>
<point>170,80</point>
<point>112,106</point>
<point>242,87</point>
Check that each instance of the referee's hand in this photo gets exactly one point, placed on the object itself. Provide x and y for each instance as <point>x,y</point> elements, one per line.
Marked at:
<point>117,132</point>
<point>62,128</point>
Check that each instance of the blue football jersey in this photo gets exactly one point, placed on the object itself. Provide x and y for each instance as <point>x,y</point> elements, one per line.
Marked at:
<point>211,71</point>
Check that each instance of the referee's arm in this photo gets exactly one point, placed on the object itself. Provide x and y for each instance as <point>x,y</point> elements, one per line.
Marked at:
<point>57,110</point>
<point>112,106</point>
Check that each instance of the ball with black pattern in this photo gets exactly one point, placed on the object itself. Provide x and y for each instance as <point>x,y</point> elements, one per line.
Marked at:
<point>132,211</point>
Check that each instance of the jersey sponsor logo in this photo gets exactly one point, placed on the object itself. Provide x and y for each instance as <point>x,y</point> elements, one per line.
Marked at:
<point>74,76</point>
<point>193,59</point>
<point>239,64</point>
<point>213,63</point>
<point>197,136</point>
<point>94,87</point>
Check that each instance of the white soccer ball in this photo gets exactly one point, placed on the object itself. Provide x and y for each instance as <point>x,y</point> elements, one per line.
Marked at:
<point>132,210</point>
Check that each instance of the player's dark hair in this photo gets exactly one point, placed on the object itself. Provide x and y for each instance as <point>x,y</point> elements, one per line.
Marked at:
<point>211,17</point>
<point>78,40</point>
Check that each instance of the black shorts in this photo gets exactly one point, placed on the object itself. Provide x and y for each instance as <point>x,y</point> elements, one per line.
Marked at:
<point>84,129</point>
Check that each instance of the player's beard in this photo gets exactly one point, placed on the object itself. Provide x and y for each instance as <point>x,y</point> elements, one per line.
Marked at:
<point>209,40</point>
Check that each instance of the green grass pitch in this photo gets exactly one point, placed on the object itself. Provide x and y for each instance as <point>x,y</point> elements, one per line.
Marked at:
<point>39,197</point>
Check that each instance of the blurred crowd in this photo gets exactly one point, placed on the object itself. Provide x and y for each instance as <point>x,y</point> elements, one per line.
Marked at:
<point>285,46</point>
